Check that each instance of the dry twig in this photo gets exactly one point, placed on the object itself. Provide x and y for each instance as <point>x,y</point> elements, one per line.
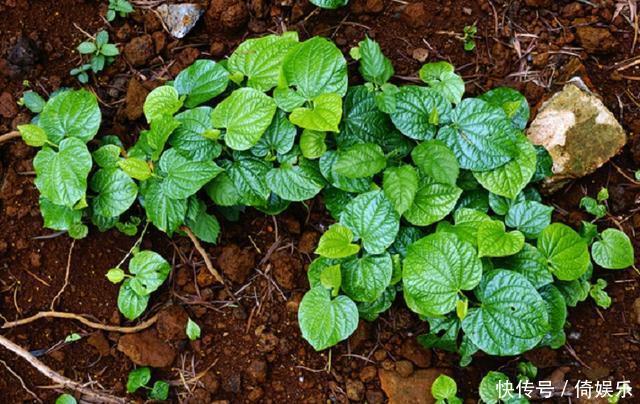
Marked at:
<point>8,136</point>
<point>72,316</point>
<point>66,278</point>
<point>89,395</point>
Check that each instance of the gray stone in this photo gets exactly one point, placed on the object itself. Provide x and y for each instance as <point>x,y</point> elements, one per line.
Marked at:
<point>179,19</point>
<point>578,131</point>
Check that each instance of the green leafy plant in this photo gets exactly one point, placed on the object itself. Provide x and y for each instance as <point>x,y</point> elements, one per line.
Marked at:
<point>140,378</point>
<point>433,194</point>
<point>120,8</point>
<point>496,387</point>
<point>66,399</point>
<point>444,389</point>
<point>193,330</point>
<point>469,37</point>
<point>100,52</point>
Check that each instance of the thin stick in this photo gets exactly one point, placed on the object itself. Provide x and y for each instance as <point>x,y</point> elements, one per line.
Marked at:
<point>17,376</point>
<point>91,395</point>
<point>8,136</point>
<point>72,316</point>
<point>207,262</point>
<point>66,278</point>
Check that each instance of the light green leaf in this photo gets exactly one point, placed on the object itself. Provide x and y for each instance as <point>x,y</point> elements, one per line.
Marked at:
<point>312,144</point>
<point>66,399</point>
<point>444,388</point>
<point>336,243</point>
<point>614,250</point>
<point>369,311</point>
<point>442,78</point>
<point>200,82</point>
<point>492,387</point>
<point>163,100</point>
<point>331,278</point>
<point>599,295</point>
<point>513,103</point>
<point>249,177</point>
<point>260,59</point>
<point>566,252</point>
<point>374,66</point>
<point>245,114</point>
<point>419,111</point>
<point>116,192</point>
<point>323,116</point>
<point>165,213</point>
<point>316,67</point>
<point>373,219</point>
<point>278,138</point>
<point>138,378</point>
<point>480,136</point>
<point>365,279</point>
<point>33,101</point>
<point>325,322</point>
<point>436,160</point>
<point>529,217</point>
<point>512,316</point>
<point>189,138</point>
<point>193,330</point>
<point>494,241</point>
<point>508,180</point>
<point>432,203</point>
<point>71,114</point>
<point>115,275</point>
<point>360,160</point>
<point>400,185</point>
<point>184,178</point>
<point>130,304</point>
<point>61,176</point>
<point>135,168</point>
<point>437,268</point>
<point>33,135</point>
<point>288,99</point>
<point>295,183</point>
<point>150,271</point>
<point>107,156</point>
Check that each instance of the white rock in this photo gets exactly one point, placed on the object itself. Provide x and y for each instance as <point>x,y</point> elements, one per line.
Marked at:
<point>578,131</point>
<point>179,19</point>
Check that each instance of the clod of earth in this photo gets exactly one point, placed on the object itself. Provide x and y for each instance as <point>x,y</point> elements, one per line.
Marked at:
<point>147,349</point>
<point>578,131</point>
<point>409,390</point>
<point>180,18</point>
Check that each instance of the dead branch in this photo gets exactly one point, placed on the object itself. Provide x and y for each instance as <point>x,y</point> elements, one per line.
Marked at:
<point>8,136</point>
<point>72,316</point>
<point>89,395</point>
<point>66,278</point>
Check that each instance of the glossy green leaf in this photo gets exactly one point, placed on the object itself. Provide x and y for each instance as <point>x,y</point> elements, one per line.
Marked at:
<point>107,156</point>
<point>508,180</point>
<point>260,59</point>
<point>436,160</point>
<point>312,144</point>
<point>365,279</point>
<point>61,176</point>
<point>336,242</point>
<point>33,135</point>
<point>530,263</point>
<point>163,100</point>
<point>437,268</point>
<point>511,318</point>
<point>512,102</point>
<point>494,241</point>
<point>362,121</point>
<point>613,251</point>
<point>327,168</point>
<point>324,115</point>
<point>164,212</point>
<point>184,177</point>
<point>245,114</point>
<point>131,304</point>
<point>432,203</point>
<point>189,137</point>
<point>116,192</point>
<point>150,271</point>
<point>315,67</point>
<point>373,220</point>
<point>138,378</point>
<point>360,160</point>
<point>529,217</point>
<point>278,138</point>
<point>419,111</point>
<point>442,78</point>
<point>374,66</point>
<point>193,330</point>
<point>71,114</point>
<point>566,252</point>
<point>400,185</point>
<point>295,183</point>
<point>324,321</point>
<point>200,82</point>
<point>492,387</point>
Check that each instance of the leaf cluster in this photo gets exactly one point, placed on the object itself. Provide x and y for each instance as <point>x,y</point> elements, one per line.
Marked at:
<point>120,8</point>
<point>100,54</point>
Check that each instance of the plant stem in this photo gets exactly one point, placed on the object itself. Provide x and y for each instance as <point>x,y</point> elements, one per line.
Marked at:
<point>72,316</point>
<point>135,245</point>
<point>8,136</point>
